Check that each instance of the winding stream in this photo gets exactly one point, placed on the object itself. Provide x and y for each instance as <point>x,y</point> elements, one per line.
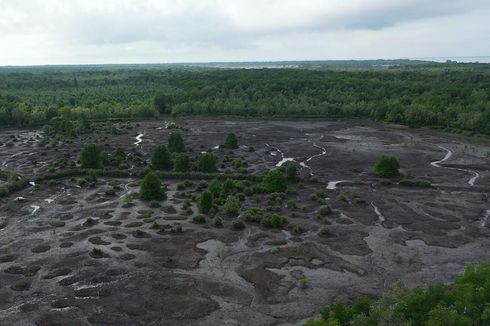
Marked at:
<point>448,155</point>
<point>139,139</point>
<point>381,218</point>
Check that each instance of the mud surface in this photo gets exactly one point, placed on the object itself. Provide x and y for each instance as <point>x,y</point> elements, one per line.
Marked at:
<point>79,255</point>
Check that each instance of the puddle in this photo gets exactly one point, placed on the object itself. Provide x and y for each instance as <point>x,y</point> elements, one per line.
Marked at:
<point>333,184</point>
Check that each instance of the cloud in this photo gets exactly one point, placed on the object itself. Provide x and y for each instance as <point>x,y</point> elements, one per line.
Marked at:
<point>208,30</point>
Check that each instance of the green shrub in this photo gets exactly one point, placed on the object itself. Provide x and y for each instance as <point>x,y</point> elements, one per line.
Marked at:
<point>176,143</point>
<point>291,172</point>
<point>182,163</point>
<point>205,202</point>
<point>238,225</point>
<point>151,188</point>
<point>232,205</point>
<point>200,219</point>
<point>324,211</point>
<point>275,181</point>
<point>160,158</point>
<point>231,141</point>
<point>273,221</point>
<point>217,222</point>
<point>206,163</point>
<point>90,157</point>
<point>387,167</point>
<point>253,215</point>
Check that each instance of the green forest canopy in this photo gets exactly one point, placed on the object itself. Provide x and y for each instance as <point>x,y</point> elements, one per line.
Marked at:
<point>447,96</point>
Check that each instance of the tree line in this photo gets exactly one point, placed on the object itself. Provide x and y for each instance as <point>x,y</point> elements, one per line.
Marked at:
<point>451,97</point>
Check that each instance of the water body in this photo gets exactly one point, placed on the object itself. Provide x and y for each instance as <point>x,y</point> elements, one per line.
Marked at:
<point>333,184</point>
<point>448,155</point>
<point>139,139</point>
<point>381,218</point>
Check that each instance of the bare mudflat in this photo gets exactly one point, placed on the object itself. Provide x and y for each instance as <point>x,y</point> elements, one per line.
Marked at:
<point>78,254</point>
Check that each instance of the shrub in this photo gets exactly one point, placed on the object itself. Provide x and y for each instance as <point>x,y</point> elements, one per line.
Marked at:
<point>291,172</point>
<point>214,188</point>
<point>324,231</point>
<point>151,188</point>
<point>231,141</point>
<point>205,202</point>
<point>238,225</point>
<point>90,157</point>
<point>176,143</point>
<point>297,229</point>
<point>228,187</point>
<point>253,215</point>
<point>387,167</point>
<point>206,163</point>
<point>217,222</point>
<point>160,158</point>
<point>232,205</point>
<point>273,221</point>
<point>291,204</point>
<point>415,183</point>
<point>182,163</point>
<point>275,181</point>
<point>324,211</point>
<point>200,219</point>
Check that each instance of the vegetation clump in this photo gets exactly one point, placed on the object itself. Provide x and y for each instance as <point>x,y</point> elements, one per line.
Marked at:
<point>90,157</point>
<point>205,202</point>
<point>464,303</point>
<point>160,158</point>
<point>387,167</point>
<point>206,163</point>
<point>231,141</point>
<point>415,183</point>
<point>176,143</point>
<point>182,163</point>
<point>232,205</point>
<point>275,181</point>
<point>151,188</point>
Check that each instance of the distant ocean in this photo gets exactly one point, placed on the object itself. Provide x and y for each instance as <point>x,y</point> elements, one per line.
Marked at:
<point>480,59</point>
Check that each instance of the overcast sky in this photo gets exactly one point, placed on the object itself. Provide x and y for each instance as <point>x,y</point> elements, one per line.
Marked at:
<point>159,31</point>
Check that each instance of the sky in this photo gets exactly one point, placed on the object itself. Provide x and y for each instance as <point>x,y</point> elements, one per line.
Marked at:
<point>38,32</point>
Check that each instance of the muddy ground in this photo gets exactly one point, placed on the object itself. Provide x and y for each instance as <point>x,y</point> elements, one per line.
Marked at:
<point>145,273</point>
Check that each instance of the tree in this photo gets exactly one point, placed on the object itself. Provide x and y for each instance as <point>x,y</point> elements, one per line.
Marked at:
<point>231,141</point>
<point>291,172</point>
<point>160,158</point>
<point>151,188</point>
<point>176,143</point>
<point>228,187</point>
<point>91,156</point>
<point>206,163</point>
<point>232,205</point>
<point>182,163</point>
<point>205,202</point>
<point>214,188</point>
<point>387,167</point>
<point>275,181</point>
<point>162,103</point>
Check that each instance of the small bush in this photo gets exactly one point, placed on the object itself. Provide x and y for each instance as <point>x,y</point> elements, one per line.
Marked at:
<point>200,219</point>
<point>238,225</point>
<point>415,183</point>
<point>324,211</point>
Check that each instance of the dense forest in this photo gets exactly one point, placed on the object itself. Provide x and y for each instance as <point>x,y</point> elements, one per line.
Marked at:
<point>465,303</point>
<point>453,97</point>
